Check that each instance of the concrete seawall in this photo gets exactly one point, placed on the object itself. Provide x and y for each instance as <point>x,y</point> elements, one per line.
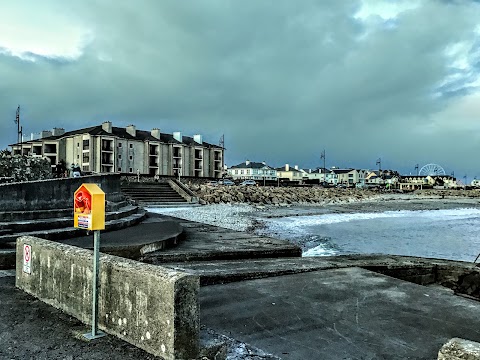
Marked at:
<point>151,307</point>
<point>52,193</point>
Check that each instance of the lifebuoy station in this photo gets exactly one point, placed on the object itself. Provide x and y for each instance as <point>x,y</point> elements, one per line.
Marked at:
<point>89,207</point>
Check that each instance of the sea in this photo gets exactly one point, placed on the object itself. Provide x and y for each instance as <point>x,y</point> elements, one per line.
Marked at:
<point>452,234</point>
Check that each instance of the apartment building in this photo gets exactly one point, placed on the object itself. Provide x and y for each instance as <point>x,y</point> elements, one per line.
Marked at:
<point>106,149</point>
<point>250,170</point>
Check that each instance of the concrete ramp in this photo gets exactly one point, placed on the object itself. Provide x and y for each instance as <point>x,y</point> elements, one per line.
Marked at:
<point>339,314</point>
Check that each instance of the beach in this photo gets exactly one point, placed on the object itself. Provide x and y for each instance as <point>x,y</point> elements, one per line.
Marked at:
<point>403,224</point>
<point>249,217</point>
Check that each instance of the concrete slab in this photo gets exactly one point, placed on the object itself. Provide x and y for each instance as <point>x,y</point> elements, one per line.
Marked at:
<point>348,313</point>
<point>133,241</point>
<point>203,242</point>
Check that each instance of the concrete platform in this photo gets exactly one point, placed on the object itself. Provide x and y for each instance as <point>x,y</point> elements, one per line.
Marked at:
<point>347,313</point>
<point>203,242</point>
<point>135,241</point>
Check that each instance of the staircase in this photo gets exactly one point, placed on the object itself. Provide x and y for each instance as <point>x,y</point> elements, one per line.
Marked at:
<point>153,194</point>
<point>58,224</point>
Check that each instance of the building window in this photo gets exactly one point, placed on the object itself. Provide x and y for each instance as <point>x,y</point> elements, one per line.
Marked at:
<point>86,144</point>
<point>130,170</point>
<point>241,172</point>
<point>120,156</point>
<point>78,157</point>
<point>120,169</point>
<point>131,146</point>
<point>78,144</point>
<point>130,157</point>
<point>119,144</point>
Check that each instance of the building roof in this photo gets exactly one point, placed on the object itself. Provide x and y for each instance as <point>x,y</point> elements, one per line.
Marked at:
<point>122,133</point>
<point>251,165</point>
<point>290,168</point>
<point>342,171</point>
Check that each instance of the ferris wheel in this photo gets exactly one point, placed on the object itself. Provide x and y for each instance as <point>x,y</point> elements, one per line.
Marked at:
<point>431,169</point>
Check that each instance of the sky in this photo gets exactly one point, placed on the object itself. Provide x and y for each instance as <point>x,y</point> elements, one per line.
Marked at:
<point>282,80</point>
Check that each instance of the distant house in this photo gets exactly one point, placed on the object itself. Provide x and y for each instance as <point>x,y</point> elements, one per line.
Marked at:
<point>250,170</point>
<point>374,178</point>
<point>350,177</point>
<point>320,176</point>
<point>291,174</point>
<point>414,182</point>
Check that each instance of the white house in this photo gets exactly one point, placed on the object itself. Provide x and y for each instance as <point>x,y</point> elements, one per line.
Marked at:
<point>250,170</point>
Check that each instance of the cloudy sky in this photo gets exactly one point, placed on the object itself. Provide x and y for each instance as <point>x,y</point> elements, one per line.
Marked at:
<point>282,79</point>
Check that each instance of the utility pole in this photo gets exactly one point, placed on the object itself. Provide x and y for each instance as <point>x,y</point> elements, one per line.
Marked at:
<point>379,163</point>
<point>322,156</point>
<point>222,145</point>
<point>19,128</point>
<point>416,168</point>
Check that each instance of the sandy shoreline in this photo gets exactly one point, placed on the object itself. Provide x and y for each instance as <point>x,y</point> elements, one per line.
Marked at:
<point>246,217</point>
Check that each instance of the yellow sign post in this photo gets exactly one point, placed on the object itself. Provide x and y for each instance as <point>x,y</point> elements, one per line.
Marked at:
<point>89,207</point>
<point>89,214</point>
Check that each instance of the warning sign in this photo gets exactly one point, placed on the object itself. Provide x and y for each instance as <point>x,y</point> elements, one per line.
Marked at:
<point>27,259</point>
<point>84,221</point>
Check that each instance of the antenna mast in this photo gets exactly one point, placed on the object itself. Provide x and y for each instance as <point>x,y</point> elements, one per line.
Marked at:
<point>19,128</point>
<point>322,156</point>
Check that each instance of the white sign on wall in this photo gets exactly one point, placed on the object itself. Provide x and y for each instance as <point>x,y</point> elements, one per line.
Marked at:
<point>27,259</point>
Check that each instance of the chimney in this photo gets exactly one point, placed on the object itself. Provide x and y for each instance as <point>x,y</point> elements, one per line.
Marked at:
<point>309,171</point>
<point>287,167</point>
<point>58,131</point>
<point>45,133</point>
<point>296,167</point>
<point>198,139</point>
<point>155,133</point>
<point>131,130</point>
<point>107,127</point>
<point>247,162</point>
<point>264,163</point>
<point>177,135</point>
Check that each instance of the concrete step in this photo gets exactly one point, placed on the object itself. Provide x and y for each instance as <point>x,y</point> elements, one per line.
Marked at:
<point>7,259</point>
<point>147,194</point>
<point>14,227</point>
<point>168,205</point>
<point>69,231</point>
<point>6,216</point>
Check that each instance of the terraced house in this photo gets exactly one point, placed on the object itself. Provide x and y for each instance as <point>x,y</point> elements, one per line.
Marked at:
<point>106,149</point>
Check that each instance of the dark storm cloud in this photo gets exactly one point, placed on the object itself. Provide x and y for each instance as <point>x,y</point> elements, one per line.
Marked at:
<point>281,79</point>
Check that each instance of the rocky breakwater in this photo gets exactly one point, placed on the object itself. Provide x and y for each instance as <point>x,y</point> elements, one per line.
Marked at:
<point>269,195</point>
<point>453,193</point>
